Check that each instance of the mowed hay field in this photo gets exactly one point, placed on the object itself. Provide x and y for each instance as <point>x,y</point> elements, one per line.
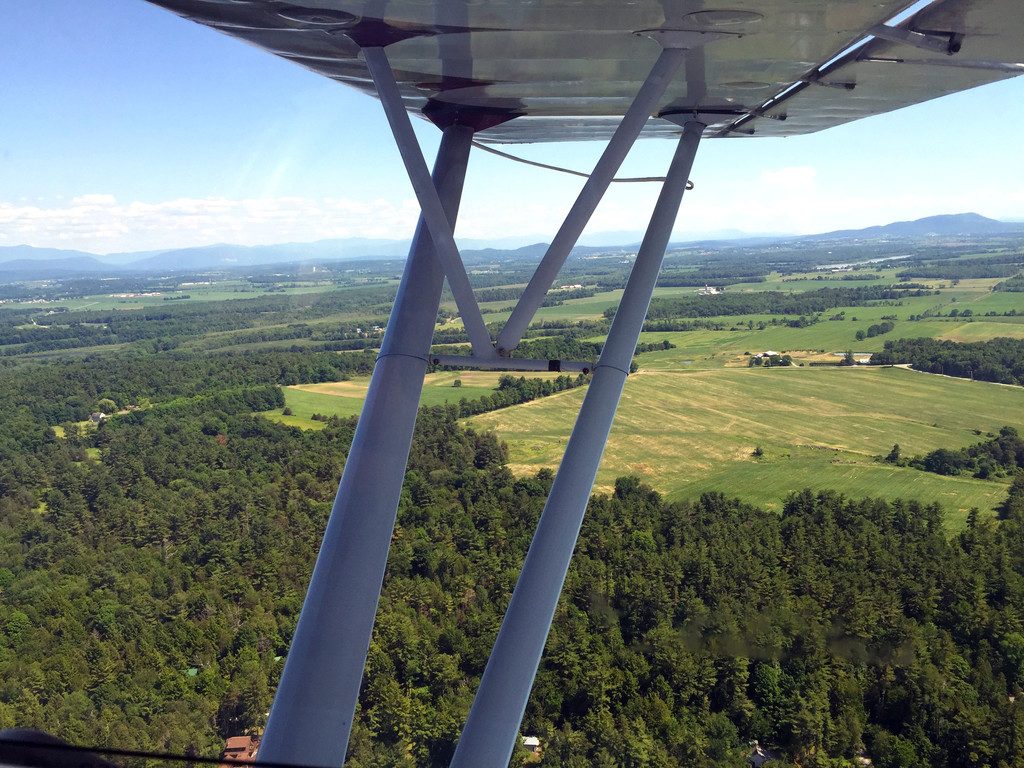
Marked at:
<point>983,331</point>
<point>688,432</point>
<point>345,398</point>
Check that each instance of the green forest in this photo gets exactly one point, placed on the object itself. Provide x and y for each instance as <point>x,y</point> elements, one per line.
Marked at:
<point>999,456</point>
<point>775,302</point>
<point>154,568</point>
<point>1000,360</point>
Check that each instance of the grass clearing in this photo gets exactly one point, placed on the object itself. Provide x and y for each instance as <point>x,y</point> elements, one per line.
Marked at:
<point>984,331</point>
<point>812,281</point>
<point>345,398</point>
<point>686,433</point>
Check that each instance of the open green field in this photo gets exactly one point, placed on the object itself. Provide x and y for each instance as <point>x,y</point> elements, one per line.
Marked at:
<point>983,331</point>
<point>1000,301</point>
<point>688,432</point>
<point>717,348</point>
<point>693,415</point>
<point>812,281</point>
<point>714,349</point>
<point>590,308</point>
<point>345,398</point>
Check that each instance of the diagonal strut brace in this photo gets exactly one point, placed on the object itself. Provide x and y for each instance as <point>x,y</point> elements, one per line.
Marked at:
<point>313,708</point>
<point>490,734</point>
<point>590,196</point>
<point>430,204</point>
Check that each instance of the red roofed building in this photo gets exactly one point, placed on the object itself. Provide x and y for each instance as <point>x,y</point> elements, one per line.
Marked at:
<point>240,748</point>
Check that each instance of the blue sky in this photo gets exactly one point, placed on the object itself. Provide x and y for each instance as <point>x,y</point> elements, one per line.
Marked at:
<point>124,127</point>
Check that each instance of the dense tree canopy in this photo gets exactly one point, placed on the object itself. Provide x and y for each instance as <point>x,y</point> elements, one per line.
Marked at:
<point>1000,455</point>
<point>999,360</point>
<point>1014,285</point>
<point>153,570</point>
<point>993,265</point>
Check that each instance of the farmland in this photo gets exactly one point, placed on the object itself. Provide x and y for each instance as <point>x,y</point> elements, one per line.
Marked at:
<point>690,417</point>
<point>693,414</point>
<point>345,398</point>
<point>686,433</point>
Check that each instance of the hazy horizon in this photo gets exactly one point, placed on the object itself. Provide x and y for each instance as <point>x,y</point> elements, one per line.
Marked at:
<point>171,135</point>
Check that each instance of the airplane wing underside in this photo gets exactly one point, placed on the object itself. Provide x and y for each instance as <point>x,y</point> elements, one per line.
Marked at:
<point>567,70</point>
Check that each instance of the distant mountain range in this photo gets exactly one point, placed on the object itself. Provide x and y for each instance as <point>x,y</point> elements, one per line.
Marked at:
<point>24,262</point>
<point>931,226</point>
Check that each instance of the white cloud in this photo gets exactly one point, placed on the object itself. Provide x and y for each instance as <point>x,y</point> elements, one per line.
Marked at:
<point>100,223</point>
<point>796,199</point>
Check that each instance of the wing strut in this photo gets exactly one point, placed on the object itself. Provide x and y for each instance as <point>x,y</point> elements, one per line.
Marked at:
<point>312,713</point>
<point>430,205</point>
<point>493,725</point>
<point>590,196</point>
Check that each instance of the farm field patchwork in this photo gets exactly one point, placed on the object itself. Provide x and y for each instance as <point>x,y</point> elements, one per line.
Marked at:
<point>686,433</point>
<point>713,349</point>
